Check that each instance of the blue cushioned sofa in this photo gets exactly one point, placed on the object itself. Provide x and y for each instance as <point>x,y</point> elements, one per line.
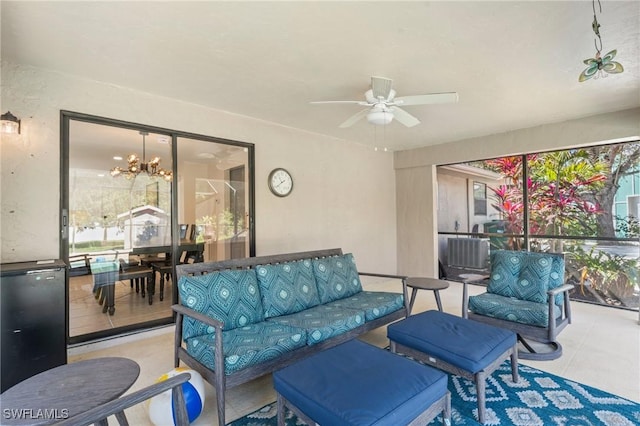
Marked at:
<point>249,317</point>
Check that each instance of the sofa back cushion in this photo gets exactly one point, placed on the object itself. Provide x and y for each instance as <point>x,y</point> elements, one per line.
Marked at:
<point>519,274</point>
<point>231,297</point>
<point>337,277</point>
<point>287,288</point>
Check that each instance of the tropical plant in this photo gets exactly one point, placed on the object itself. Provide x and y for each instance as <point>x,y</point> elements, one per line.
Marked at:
<point>557,188</point>
<point>603,270</point>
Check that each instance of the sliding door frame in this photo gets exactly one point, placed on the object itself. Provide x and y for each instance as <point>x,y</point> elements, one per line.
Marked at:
<point>65,118</point>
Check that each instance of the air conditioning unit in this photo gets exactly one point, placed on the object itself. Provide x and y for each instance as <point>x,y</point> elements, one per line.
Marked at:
<point>470,253</point>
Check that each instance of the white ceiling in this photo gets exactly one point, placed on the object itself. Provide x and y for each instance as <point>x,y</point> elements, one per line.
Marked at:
<point>514,64</point>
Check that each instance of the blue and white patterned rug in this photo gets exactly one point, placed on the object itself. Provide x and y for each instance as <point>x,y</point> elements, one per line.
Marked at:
<point>538,399</point>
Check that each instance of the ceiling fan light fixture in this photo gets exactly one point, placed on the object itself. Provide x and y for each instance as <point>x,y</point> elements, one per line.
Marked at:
<point>380,117</point>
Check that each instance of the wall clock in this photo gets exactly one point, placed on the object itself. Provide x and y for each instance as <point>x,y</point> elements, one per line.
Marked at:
<point>280,182</point>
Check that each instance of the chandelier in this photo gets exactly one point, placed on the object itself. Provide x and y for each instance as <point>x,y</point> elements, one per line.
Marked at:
<point>135,166</point>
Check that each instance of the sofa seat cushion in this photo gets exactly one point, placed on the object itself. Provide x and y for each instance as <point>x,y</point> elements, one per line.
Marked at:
<point>524,275</point>
<point>510,309</point>
<point>287,288</point>
<point>247,346</point>
<point>356,383</point>
<point>375,304</point>
<point>323,322</point>
<point>466,344</point>
<point>337,277</point>
<point>231,297</point>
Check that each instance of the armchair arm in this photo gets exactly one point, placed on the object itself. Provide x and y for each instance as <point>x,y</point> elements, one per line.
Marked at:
<point>117,406</point>
<point>561,289</point>
<point>566,305</point>
<point>567,309</point>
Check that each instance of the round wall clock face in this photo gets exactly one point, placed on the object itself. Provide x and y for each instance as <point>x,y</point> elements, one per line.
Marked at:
<point>280,182</point>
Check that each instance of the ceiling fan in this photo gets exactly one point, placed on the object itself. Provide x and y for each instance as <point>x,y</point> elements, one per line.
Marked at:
<point>383,106</point>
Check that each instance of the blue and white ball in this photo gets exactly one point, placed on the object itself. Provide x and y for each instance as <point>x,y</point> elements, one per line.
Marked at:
<point>161,410</point>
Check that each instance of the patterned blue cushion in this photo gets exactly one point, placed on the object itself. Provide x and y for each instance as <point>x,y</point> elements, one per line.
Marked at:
<point>519,274</point>
<point>337,277</point>
<point>556,277</point>
<point>246,346</point>
<point>231,297</point>
<point>375,304</point>
<point>510,309</point>
<point>287,288</point>
<point>322,322</point>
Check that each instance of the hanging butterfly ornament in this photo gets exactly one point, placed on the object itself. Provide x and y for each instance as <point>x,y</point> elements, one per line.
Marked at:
<point>599,66</point>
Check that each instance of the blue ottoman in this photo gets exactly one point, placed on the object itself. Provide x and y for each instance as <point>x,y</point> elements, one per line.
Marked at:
<point>456,345</point>
<point>356,383</point>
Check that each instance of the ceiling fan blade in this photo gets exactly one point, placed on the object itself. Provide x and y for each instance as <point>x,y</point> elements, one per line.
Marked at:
<point>381,87</point>
<point>432,98</point>
<point>339,102</point>
<point>404,117</point>
<point>354,118</point>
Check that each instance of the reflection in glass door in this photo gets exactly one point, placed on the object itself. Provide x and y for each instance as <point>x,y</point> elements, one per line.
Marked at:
<point>119,226</point>
<point>213,198</point>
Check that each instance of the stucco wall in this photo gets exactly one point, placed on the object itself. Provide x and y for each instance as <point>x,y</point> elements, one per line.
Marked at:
<point>417,238</point>
<point>344,193</point>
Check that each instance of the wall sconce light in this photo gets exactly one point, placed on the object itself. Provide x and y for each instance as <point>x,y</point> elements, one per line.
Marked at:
<point>9,123</point>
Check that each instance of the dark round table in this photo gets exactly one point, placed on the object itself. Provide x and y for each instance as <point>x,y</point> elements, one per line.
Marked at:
<point>422,283</point>
<point>67,390</point>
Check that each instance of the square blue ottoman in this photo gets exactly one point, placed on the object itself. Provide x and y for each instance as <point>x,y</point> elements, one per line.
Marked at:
<point>356,383</point>
<point>456,345</point>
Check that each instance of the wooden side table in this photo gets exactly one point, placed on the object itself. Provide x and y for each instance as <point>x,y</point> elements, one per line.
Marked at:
<point>423,283</point>
<point>68,390</point>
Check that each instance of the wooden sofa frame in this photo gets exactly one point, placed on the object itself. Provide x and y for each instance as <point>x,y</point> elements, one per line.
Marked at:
<point>222,382</point>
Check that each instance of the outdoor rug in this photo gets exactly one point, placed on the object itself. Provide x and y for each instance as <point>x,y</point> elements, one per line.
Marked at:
<point>538,399</point>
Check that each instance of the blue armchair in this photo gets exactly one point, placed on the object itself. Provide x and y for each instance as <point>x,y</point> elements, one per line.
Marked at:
<point>526,294</point>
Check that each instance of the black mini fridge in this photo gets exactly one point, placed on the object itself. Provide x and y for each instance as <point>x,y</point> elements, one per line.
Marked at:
<point>33,319</point>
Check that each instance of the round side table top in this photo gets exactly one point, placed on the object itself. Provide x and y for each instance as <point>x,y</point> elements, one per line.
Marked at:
<point>67,390</point>
<point>424,283</point>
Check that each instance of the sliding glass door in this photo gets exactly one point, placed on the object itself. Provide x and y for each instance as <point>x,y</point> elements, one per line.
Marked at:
<point>128,220</point>
<point>214,198</point>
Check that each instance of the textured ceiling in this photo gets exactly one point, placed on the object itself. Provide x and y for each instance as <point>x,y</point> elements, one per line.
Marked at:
<point>514,64</point>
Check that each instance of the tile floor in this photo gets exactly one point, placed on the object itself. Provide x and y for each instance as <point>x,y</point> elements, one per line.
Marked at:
<point>86,316</point>
<point>601,349</point>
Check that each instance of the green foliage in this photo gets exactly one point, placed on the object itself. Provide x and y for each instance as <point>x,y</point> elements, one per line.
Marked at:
<point>223,225</point>
<point>602,269</point>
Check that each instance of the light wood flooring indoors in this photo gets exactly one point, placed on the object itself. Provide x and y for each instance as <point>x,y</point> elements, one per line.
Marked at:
<point>601,348</point>
<point>86,316</point>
